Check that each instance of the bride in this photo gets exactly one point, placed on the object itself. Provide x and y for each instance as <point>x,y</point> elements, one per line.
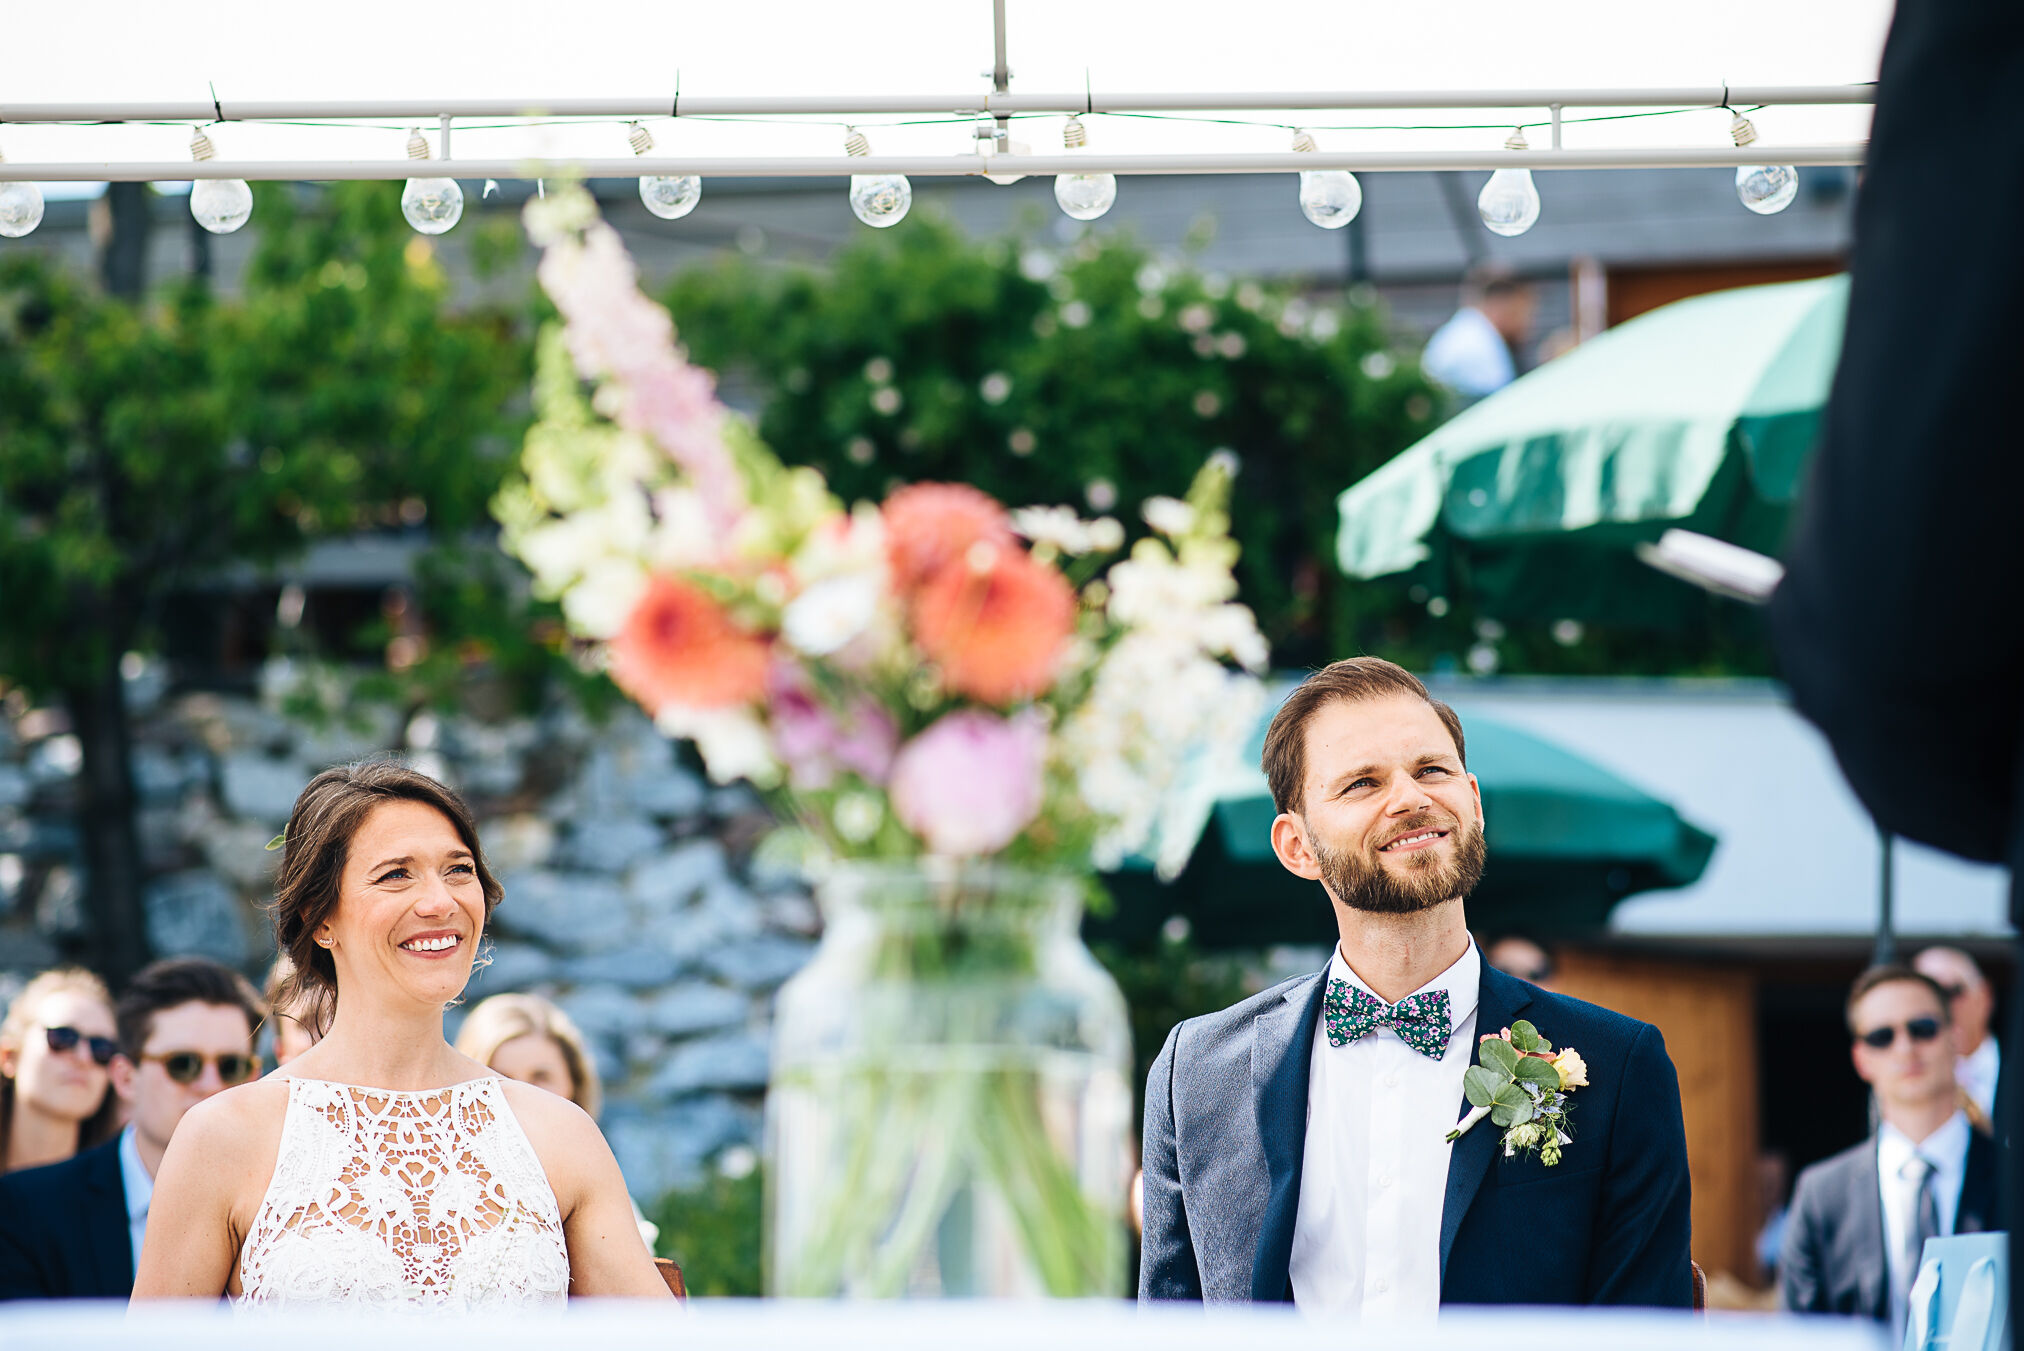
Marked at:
<point>380,1167</point>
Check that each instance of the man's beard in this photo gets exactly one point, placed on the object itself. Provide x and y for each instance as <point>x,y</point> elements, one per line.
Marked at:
<point>1364,883</point>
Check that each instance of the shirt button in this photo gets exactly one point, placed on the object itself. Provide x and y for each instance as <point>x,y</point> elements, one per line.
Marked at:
<point>1384,1179</point>
<point>1382,1285</point>
<point>1392,1080</point>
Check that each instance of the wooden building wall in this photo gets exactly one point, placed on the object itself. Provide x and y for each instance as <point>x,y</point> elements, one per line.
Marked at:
<point>1708,1017</point>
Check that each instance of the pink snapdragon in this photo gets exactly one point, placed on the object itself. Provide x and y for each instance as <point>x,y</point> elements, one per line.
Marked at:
<point>816,743</point>
<point>971,782</point>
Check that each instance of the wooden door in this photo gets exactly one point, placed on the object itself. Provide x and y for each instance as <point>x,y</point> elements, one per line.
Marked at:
<point>1707,1015</point>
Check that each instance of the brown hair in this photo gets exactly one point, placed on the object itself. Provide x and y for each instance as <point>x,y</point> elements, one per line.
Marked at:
<point>503,1017</point>
<point>102,1124</point>
<point>317,843</point>
<point>1351,680</point>
<point>173,982</point>
<point>1890,974</point>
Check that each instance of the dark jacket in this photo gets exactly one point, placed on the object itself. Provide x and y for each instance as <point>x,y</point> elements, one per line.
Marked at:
<point>64,1232</point>
<point>1834,1259</point>
<point>1226,1132</point>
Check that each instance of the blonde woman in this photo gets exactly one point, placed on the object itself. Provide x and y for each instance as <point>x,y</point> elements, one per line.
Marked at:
<point>56,1044</point>
<point>525,1037</point>
<point>297,1025</point>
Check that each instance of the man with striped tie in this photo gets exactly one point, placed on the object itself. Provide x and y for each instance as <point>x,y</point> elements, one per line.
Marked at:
<point>1859,1220</point>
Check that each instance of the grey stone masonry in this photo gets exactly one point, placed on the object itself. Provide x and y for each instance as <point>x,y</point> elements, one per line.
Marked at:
<point>630,894</point>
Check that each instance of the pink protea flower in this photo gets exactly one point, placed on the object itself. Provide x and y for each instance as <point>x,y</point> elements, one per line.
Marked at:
<point>679,647</point>
<point>971,782</point>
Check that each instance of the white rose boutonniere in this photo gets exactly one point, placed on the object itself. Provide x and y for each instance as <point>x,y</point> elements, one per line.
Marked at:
<point>1522,1084</point>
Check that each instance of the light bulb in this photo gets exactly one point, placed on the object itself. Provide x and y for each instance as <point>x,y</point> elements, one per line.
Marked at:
<point>1766,189</point>
<point>220,205</point>
<point>1083,196</point>
<point>1328,197</point>
<point>1509,204</point>
<point>670,198</point>
<point>878,199</point>
<point>432,205</point>
<point>20,208</point>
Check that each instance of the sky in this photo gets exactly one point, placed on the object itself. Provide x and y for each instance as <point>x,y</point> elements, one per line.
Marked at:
<point>515,49</point>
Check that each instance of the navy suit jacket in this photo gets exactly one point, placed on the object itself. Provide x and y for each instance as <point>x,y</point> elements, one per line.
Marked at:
<point>64,1232</point>
<point>1833,1257</point>
<point>1226,1132</point>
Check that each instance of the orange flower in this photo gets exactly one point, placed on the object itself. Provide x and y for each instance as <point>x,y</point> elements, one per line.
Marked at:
<point>995,621</point>
<point>931,525</point>
<point>678,646</point>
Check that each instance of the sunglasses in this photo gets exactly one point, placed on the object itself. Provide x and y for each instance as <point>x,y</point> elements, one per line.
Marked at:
<point>1918,1029</point>
<point>186,1067</point>
<point>66,1039</point>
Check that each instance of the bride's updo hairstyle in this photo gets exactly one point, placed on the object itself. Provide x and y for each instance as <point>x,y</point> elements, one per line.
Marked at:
<point>315,849</point>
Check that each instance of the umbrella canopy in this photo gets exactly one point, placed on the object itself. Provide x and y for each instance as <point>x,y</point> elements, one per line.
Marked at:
<point>1699,414</point>
<point>1567,840</point>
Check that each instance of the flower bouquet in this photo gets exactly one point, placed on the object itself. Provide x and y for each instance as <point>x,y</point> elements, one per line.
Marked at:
<point>962,708</point>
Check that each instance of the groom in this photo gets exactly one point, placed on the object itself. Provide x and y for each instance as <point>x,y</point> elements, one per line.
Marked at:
<point>1294,1143</point>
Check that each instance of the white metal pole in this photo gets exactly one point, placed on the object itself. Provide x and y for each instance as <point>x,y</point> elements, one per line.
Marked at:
<point>947,166</point>
<point>954,104</point>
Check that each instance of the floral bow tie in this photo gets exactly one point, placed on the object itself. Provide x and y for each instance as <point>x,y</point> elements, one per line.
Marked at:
<point>1421,1020</point>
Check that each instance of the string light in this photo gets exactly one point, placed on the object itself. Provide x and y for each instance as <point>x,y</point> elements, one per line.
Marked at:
<point>20,207</point>
<point>1083,196</point>
<point>220,205</point>
<point>668,198</point>
<point>1328,197</point>
<point>1509,203</point>
<point>432,205</point>
<point>1766,189</point>
<point>879,200</point>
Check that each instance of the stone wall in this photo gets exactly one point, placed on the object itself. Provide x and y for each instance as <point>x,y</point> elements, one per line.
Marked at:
<point>632,898</point>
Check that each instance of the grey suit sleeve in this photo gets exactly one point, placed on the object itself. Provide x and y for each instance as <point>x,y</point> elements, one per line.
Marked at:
<point>1799,1266</point>
<point>1167,1267</point>
<point>1643,1238</point>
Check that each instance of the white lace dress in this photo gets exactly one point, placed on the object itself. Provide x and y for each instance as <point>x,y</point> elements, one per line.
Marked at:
<point>387,1200</point>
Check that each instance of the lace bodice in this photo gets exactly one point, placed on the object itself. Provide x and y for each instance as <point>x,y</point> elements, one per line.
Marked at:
<point>431,1200</point>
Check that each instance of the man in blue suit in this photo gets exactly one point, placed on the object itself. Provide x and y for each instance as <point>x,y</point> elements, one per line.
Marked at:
<point>1296,1144</point>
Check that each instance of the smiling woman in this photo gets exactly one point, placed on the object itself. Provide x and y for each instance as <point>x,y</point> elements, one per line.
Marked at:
<point>380,1167</point>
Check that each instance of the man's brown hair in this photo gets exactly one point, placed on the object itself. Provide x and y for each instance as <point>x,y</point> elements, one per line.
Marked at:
<point>1890,974</point>
<point>315,848</point>
<point>1351,680</point>
<point>173,982</point>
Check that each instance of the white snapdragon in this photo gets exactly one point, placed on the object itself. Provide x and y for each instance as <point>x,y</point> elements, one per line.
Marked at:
<point>733,742</point>
<point>1068,533</point>
<point>1168,515</point>
<point>599,603</point>
<point>831,613</point>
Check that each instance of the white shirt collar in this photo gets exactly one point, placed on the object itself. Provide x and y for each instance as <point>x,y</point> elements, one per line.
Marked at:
<point>138,1183</point>
<point>1463,981</point>
<point>1946,1148</point>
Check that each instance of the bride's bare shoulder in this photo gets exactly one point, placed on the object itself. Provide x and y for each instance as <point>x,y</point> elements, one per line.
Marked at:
<point>237,1117</point>
<point>548,1118</point>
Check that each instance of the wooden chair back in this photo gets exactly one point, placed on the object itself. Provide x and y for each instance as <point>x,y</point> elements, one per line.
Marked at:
<point>672,1274</point>
<point>1700,1286</point>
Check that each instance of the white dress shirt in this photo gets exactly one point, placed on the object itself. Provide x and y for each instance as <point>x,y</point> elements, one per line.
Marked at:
<point>1977,1074</point>
<point>1947,1150</point>
<point>1469,355</point>
<point>139,1185</point>
<point>1367,1237</point>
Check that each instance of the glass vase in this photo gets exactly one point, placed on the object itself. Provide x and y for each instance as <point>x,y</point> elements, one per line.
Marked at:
<point>950,1110</point>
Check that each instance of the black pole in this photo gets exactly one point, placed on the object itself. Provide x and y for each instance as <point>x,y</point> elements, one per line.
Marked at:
<point>1886,887</point>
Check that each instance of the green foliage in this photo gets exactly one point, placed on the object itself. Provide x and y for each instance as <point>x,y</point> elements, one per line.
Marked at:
<point>144,447</point>
<point>712,1232</point>
<point>1077,377</point>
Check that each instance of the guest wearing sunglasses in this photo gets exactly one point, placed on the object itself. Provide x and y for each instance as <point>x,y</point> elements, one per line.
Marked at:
<point>56,1094</point>
<point>1973,1007</point>
<point>1860,1219</point>
<point>73,1229</point>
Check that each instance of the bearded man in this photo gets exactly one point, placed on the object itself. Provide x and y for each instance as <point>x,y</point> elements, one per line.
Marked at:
<point>1299,1146</point>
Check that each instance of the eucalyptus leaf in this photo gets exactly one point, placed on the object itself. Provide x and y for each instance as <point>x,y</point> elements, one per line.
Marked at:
<point>1535,1070</point>
<point>1498,1055</point>
<point>1480,1085</point>
<point>1504,1116</point>
<point>1524,1036</point>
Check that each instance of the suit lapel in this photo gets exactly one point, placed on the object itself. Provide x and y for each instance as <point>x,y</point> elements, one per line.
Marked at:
<point>1282,1047</point>
<point>1866,1228</point>
<point>108,1232</point>
<point>1498,1003</point>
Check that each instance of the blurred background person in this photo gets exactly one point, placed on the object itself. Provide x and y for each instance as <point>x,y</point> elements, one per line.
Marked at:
<point>1859,1220</point>
<point>74,1229</point>
<point>56,1046</point>
<point>1973,1007</point>
<point>297,1023</point>
<point>1517,955</point>
<point>525,1037</point>
<point>1476,351</point>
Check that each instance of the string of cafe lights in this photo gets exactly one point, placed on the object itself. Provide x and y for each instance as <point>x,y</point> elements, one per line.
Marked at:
<point>880,191</point>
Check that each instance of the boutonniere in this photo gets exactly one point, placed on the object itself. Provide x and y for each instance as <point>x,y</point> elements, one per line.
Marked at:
<point>1522,1085</point>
